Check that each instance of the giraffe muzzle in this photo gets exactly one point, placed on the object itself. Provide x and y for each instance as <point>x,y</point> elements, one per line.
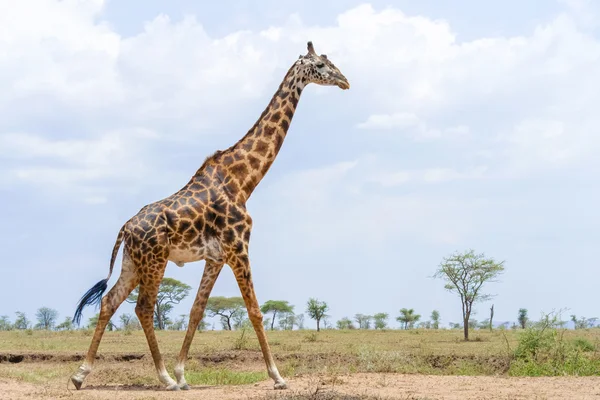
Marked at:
<point>343,83</point>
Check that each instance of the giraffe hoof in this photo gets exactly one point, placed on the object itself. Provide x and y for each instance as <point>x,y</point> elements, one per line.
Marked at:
<point>185,386</point>
<point>280,386</point>
<point>76,382</point>
<point>173,387</point>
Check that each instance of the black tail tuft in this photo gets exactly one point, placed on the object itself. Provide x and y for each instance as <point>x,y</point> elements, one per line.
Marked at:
<point>92,296</point>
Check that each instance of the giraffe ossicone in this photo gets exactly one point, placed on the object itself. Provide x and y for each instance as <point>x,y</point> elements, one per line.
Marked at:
<point>205,220</point>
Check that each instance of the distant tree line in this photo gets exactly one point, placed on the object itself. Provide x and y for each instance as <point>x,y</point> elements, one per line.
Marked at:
<point>278,315</point>
<point>464,274</point>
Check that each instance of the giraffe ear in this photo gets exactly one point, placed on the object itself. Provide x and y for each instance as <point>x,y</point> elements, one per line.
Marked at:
<point>324,56</point>
<point>311,49</point>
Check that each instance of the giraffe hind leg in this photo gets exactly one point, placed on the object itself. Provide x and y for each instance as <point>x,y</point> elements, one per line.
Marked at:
<point>127,281</point>
<point>144,310</point>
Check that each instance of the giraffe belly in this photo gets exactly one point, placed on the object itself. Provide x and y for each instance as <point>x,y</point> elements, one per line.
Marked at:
<point>210,250</point>
<point>180,256</point>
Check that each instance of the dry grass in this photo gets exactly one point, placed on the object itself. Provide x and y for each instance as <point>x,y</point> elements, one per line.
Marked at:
<point>442,342</point>
<point>216,359</point>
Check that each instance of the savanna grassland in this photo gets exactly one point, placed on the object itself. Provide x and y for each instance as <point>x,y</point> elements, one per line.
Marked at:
<point>412,364</point>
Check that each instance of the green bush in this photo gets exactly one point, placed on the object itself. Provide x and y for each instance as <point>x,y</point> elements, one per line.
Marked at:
<point>584,345</point>
<point>543,351</point>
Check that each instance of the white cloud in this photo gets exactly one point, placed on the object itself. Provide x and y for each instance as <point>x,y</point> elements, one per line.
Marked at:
<point>102,151</point>
<point>585,11</point>
<point>542,139</point>
<point>408,74</point>
<point>418,129</point>
<point>87,164</point>
<point>336,205</point>
<point>389,121</point>
<point>345,218</point>
<point>58,51</point>
<point>428,176</point>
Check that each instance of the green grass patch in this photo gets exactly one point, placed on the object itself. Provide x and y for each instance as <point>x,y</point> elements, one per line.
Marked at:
<point>223,376</point>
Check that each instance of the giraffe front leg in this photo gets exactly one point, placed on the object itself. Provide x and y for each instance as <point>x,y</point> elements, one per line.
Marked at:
<point>209,277</point>
<point>241,270</point>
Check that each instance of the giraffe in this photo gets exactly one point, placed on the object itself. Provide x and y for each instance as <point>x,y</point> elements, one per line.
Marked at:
<point>205,220</point>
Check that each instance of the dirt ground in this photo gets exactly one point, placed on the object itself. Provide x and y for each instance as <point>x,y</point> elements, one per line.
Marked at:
<point>355,386</point>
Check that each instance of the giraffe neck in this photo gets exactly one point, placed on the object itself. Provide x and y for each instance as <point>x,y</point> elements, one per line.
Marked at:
<point>248,161</point>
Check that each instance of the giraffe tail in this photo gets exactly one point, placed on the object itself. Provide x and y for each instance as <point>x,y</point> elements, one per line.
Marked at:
<point>94,295</point>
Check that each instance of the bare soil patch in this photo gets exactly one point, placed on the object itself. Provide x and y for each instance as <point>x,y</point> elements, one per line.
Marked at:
<point>350,387</point>
<point>15,358</point>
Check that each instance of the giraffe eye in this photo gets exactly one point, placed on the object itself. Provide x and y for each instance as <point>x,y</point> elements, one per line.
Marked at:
<point>320,65</point>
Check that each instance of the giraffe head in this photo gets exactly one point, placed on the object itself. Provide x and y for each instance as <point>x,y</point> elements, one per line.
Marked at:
<point>318,69</point>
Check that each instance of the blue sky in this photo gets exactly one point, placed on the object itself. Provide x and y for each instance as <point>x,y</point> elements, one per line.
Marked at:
<point>466,126</point>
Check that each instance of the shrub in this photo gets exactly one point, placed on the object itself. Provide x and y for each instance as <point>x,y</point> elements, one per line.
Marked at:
<point>543,351</point>
<point>584,345</point>
<point>241,342</point>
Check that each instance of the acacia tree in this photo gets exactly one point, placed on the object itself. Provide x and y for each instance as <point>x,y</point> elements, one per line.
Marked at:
<point>465,274</point>
<point>239,320</point>
<point>408,317</point>
<point>363,321</point>
<point>5,324</point>
<point>129,322</point>
<point>162,317</point>
<point>180,324</point>
<point>287,321</point>
<point>202,325</point>
<point>473,323</point>
<point>380,320</point>
<point>299,320</point>
<point>523,317</point>
<point>46,318</point>
<point>482,324</point>
<point>316,310</point>
<point>126,321</point>
<point>345,323</point>
<point>170,292</point>
<point>583,322</point>
<point>66,325</point>
<point>435,319</point>
<point>230,309</point>
<point>276,306</point>
<point>93,321</point>
<point>424,325</point>
<point>22,322</point>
